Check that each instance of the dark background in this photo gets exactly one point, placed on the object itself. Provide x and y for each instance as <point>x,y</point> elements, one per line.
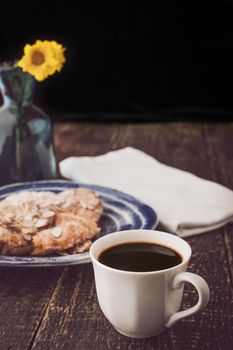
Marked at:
<point>165,60</point>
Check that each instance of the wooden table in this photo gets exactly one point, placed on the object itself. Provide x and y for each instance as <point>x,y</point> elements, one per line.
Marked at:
<point>56,308</point>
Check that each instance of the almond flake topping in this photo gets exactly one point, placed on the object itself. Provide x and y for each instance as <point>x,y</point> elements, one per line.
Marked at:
<point>27,237</point>
<point>2,230</point>
<point>27,223</point>
<point>56,231</point>
<point>41,223</point>
<point>48,214</point>
<point>28,217</point>
<point>26,231</point>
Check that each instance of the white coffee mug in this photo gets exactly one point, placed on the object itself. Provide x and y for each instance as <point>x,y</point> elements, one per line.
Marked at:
<point>143,304</point>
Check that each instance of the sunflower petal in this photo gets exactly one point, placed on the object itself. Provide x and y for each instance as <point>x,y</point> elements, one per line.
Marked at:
<point>53,54</point>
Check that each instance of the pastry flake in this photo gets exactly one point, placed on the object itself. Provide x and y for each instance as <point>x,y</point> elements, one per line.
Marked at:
<point>46,223</point>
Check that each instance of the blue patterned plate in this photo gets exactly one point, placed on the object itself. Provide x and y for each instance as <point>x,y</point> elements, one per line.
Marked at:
<point>121,212</point>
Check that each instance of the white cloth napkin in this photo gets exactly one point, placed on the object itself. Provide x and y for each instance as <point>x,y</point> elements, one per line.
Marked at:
<point>185,204</point>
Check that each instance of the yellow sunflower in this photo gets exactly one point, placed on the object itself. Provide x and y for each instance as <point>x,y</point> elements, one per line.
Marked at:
<point>42,59</point>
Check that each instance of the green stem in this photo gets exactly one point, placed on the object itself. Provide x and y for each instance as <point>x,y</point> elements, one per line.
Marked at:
<point>17,151</point>
<point>17,132</point>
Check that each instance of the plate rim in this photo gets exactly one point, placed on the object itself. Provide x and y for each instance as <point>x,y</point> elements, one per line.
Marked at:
<point>73,259</point>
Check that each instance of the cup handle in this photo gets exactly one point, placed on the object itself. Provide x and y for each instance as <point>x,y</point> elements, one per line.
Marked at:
<point>203,292</point>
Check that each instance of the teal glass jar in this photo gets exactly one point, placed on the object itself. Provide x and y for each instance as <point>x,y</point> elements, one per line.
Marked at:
<point>26,135</point>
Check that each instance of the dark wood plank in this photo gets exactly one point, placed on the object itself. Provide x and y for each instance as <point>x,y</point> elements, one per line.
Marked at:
<point>24,296</point>
<point>219,139</point>
<point>73,319</point>
<point>79,139</point>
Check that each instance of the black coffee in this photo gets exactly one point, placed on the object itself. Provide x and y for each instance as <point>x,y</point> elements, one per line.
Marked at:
<point>140,257</point>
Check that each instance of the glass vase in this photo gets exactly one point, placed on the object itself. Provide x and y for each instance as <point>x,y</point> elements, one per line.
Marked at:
<point>26,135</point>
